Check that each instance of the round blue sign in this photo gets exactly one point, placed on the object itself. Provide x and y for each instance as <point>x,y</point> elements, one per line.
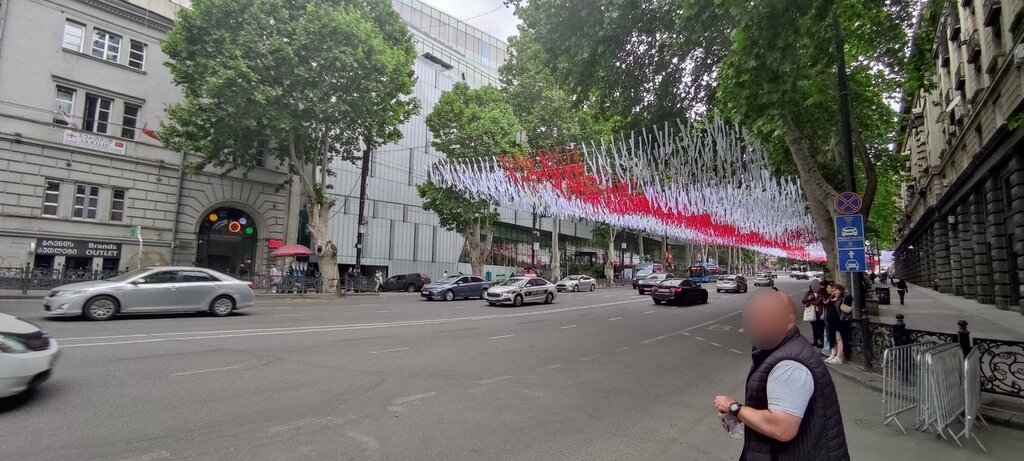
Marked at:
<point>848,203</point>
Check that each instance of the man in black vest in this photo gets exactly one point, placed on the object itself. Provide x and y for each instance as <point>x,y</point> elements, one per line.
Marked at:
<point>791,411</point>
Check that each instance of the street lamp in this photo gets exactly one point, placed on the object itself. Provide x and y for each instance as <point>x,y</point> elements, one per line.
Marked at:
<point>622,257</point>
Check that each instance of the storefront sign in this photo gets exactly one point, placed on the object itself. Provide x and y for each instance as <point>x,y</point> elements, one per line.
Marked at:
<point>274,244</point>
<point>94,142</point>
<point>77,248</point>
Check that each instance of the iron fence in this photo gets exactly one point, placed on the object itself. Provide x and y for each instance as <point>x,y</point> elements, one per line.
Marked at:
<point>27,279</point>
<point>1001,366</point>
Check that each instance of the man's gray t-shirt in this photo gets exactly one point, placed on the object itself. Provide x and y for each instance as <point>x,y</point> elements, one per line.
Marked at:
<point>790,387</point>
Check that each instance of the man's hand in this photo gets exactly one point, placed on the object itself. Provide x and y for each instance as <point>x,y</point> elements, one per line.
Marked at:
<point>722,403</point>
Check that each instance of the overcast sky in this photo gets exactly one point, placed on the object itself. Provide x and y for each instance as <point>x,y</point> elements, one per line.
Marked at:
<point>490,16</point>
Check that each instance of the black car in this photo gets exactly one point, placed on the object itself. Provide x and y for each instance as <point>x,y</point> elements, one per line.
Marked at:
<point>646,285</point>
<point>406,282</point>
<point>679,291</point>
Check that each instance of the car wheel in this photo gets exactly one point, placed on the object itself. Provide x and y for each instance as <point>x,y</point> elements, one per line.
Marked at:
<point>744,289</point>
<point>657,301</point>
<point>449,295</point>
<point>704,299</point>
<point>491,303</point>
<point>550,298</point>
<point>483,293</point>
<point>719,291</point>
<point>592,286</point>
<point>411,288</point>
<point>517,301</point>
<point>576,287</point>
<point>641,291</point>
<point>222,306</point>
<point>100,308</point>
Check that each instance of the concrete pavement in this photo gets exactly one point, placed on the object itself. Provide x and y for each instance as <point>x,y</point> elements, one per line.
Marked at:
<point>596,376</point>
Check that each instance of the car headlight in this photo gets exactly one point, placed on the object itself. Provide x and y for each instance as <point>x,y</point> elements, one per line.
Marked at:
<point>12,345</point>
<point>73,292</point>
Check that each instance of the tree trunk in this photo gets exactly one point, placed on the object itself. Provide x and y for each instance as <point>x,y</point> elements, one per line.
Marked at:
<point>326,250</point>
<point>556,258</point>
<point>478,244</point>
<point>640,244</point>
<point>609,261</point>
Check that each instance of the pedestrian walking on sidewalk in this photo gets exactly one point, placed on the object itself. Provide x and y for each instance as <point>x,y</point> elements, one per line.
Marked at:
<point>814,312</point>
<point>901,288</point>
<point>838,314</point>
<point>791,410</point>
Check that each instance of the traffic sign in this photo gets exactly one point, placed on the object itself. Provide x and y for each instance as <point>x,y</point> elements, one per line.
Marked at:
<point>850,243</point>
<point>848,203</point>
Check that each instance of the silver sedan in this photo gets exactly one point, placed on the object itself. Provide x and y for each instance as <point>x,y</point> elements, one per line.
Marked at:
<point>576,283</point>
<point>150,290</point>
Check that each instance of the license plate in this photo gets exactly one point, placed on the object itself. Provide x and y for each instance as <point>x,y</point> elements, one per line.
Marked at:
<point>426,292</point>
<point>664,291</point>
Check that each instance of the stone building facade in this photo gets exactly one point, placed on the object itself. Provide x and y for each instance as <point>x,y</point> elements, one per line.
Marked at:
<point>82,89</point>
<point>963,226</point>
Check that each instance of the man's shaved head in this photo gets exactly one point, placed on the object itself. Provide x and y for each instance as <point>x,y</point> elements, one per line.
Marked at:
<point>768,316</point>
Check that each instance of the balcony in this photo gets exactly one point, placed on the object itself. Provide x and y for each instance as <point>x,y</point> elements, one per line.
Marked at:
<point>954,25</point>
<point>991,12</point>
<point>973,48</point>
<point>994,62</point>
<point>959,78</point>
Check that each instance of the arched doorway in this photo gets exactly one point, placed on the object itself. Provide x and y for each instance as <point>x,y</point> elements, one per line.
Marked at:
<point>227,241</point>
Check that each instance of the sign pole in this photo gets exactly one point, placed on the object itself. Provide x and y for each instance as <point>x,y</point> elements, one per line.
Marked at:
<point>138,234</point>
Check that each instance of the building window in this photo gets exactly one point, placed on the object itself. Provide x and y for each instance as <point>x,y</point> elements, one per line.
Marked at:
<point>63,106</point>
<point>74,35</point>
<point>117,204</point>
<point>106,45</point>
<point>136,54</point>
<point>262,151</point>
<point>129,120</point>
<point>51,198</point>
<point>97,113</point>
<point>86,201</point>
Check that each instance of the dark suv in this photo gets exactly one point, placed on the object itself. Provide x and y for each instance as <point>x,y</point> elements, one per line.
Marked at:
<point>406,282</point>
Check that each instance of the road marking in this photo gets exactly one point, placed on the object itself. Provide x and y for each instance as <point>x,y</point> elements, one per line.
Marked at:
<point>740,330</point>
<point>715,344</point>
<point>615,318</point>
<point>502,336</point>
<point>491,380</point>
<point>390,350</point>
<point>297,424</point>
<point>720,327</point>
<point>568,326</point>
<point>621,349</point>
<point>288,315</point>
<point>552,367</point>
<point>411,398</point>
<point>709,322</point>
<point>736,351</point>
<point>649,312</point>
<point>699,338</point>
<point>685,333</point>
<point>589,358</point>
<point>205,371</point>
<point>371,443</point>
<point>150,456</point>
<point>381,312</point>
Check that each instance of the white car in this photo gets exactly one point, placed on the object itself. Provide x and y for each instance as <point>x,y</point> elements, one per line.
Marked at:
<point>519,290</point>
<point>852,265</point>
<point>850,232</point>
<point>735,283</point>
<point>576,283</point>
<point>27,355</point>
<point>763,280</point>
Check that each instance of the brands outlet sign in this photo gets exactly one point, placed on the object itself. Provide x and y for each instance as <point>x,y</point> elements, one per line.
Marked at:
<point>77,248</point>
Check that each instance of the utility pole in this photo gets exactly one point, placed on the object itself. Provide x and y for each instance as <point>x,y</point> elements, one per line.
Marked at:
<point>533,234</point>
<point>846,137</point>
<point>364,172</point>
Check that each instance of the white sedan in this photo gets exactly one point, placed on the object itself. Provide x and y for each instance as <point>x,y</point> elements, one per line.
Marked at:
<point>27,355</point>
<point>519,290</point>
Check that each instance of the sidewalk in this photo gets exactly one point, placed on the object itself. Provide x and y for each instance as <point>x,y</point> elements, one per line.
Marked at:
<point>927,309</point>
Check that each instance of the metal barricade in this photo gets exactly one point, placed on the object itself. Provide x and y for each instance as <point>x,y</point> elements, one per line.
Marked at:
<point>972,396</point>
<point>925,415</point>
<point>901,380</point>
<point>945,387</point>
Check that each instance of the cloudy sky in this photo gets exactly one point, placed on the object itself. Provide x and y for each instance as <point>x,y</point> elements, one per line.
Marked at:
<point>490,16</point>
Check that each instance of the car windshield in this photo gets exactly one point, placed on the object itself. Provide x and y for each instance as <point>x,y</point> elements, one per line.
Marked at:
<point>127,275</point>
<point>514,282</point>
<point>726,278</point>
<point>450,280</point>
<point>571,277</point>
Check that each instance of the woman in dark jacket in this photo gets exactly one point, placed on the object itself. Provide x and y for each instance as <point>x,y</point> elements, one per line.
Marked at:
<point>837,323</point>
<point>815,298</point>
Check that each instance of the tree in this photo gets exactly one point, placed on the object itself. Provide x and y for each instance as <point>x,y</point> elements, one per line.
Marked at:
<point>469,123</point>
<point>604,236</point>
<point>767,64</point>
<point>320,79</point>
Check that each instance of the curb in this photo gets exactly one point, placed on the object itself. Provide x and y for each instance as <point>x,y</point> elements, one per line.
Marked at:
<point>1010,418</point>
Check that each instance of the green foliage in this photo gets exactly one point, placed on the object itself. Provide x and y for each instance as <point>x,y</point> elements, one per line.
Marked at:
<point>319,78</point>
<point>468,123</point>
<point>886,210</point>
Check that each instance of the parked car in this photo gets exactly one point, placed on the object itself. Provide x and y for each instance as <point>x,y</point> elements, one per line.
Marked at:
<point>577,283</point>
<point>801,275</point>
<point>405,282</point>
<point>27,355</point>
<point>763,280</point>
<point>679,291</point>
<point>734,283</point>
<point>519,290</point>
<point>456,286</point>
<point>151,290</point>
<point>646,285</point>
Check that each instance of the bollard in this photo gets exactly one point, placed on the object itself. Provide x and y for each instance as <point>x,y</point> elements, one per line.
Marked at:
<point>26,278</point>
<point>899,332</point>
<point>964,337</point>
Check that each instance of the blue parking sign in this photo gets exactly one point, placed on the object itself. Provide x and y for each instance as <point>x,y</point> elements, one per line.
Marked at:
<point>850,243</point>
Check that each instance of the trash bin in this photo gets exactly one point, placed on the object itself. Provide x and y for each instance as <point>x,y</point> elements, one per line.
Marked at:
<point>882,293</point>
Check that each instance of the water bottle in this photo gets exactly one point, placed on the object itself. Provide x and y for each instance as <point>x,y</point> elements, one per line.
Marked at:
<point>735,431</point>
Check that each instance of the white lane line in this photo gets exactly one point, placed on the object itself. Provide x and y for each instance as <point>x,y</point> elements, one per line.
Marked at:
<point>411,398</point>
<point>734,350</point>
<point>205,371</point>
<point>621,349</point>
<point>709,322</point>
<point>567,326</point>
<point>615,318</point>
<point>687,334</point>
<point>297,424</point>
<point>715,344</point>
<point>699,338</point>
<point>491,380</point>
<point>390,350</point>
<point>589,358</point>
<point>150,456</point>
<point>502,336</point>
<point>649,312</point>
<point>288,315</point>
<point>381,312</point>
<point>552,367</point>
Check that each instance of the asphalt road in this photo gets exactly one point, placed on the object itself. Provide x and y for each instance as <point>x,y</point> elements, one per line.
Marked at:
<point>595,376</point>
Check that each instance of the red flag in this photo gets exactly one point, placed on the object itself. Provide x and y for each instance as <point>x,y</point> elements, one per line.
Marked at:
<point>148,132</point>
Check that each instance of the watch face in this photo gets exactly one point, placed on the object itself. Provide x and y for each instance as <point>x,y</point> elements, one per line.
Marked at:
<point>734,407</point>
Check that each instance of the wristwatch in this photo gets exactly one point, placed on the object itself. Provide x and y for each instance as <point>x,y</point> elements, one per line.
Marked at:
<point>734,408</point>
